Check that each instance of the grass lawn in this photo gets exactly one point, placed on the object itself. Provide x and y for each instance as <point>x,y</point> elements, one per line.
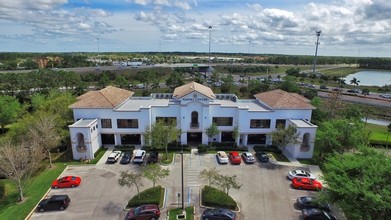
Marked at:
<point>169,159</point>
<point>378,132</point>
<point>174,212</point>
<point>33,191</point>
<point>279,157</point>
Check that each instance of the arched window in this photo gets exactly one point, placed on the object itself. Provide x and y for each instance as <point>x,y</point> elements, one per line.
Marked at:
<point>194,120</point>
<point>305,145</point>
<point>81,145</point>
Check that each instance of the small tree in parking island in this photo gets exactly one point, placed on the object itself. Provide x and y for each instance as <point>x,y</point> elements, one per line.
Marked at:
<point>209,175</point>
<point>154,172</point>
<point>227,182</point>
<point>131,179</point>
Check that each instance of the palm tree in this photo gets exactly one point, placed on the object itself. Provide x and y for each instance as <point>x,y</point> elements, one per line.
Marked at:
<point>354,81</point>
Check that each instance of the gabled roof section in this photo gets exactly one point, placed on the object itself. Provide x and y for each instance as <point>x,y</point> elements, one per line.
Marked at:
<point>279,99</point>
<point>109,97</point>
<point>186,89</point>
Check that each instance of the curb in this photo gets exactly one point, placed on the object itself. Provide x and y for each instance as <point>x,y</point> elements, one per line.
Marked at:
<point>173,161</point>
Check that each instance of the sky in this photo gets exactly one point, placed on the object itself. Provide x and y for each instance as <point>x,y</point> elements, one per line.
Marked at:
<point>358,28</point>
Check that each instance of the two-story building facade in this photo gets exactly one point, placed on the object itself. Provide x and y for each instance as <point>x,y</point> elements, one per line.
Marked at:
<point>112,116</point>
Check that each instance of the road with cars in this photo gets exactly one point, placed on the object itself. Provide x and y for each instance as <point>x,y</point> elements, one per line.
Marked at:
<point>266,192</point>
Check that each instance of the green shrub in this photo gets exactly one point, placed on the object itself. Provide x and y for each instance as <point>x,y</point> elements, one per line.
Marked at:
<point>267,148</point>
<point>229,148</point>
<point>2,189</point>
<point>148,196</point>
<point>125,147</point>
<point>213,197</point>
<point>202,148</point>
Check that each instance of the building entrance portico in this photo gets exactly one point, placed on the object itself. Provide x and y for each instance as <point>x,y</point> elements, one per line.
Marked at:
<point>194,138</point>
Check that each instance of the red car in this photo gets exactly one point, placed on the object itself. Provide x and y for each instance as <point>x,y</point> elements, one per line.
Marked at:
<point>306,183</point>
<point>234,157</point>
<point>66,181</point>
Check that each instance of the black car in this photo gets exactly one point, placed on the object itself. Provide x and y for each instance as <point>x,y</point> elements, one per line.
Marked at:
<point>316,214</point>
<point>219,213</point>
<point>153,157</point>
<point>56,202</point>
<point>126,158</point>
<point>262,156</point>
<point>310,202</point>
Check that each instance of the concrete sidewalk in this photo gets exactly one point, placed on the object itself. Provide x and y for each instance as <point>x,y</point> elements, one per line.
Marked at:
<point>105,156</point>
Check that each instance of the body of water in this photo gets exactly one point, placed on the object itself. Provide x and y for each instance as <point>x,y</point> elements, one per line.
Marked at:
<point>371,78</point>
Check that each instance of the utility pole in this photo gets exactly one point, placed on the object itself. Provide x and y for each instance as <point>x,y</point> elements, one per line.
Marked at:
<point>316,50</point>
<point>97,39</point>
<point>210,36</point>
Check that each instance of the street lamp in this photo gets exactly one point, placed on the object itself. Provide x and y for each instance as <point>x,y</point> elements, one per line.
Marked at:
<point>97,39</point>
<point>316,50</point>
<point>183,189</point>
<point>210,34</point>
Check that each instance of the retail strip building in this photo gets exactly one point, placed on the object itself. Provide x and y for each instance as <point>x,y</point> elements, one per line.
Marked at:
<point>112,116</point>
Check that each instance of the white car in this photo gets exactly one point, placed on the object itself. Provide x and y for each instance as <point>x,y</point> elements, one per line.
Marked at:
<point>300,174</point>
<point>386,96</point>
<point>248,157</point>
<point>139,156</point>
<point>114,156</point>
<point>222,157</point>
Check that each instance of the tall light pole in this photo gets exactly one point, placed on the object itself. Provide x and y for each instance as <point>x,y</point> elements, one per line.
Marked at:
<point>97,39</point>
<point>210,35</point>
<point>316,50</point>
<point>183,188</point>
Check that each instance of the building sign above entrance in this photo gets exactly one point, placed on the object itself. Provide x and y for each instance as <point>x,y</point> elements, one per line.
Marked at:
<point>195,99</point>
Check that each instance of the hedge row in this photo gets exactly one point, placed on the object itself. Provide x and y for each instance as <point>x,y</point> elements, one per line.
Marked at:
<point>213,197</point>
<point>170,148</point>
<point>203,148</point>
<point>125,147</point>
<point>267,148</point>
<point>148,196</point>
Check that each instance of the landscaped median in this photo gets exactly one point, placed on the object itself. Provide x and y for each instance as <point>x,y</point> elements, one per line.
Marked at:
<point>154,195</point>
<point>212,197</point>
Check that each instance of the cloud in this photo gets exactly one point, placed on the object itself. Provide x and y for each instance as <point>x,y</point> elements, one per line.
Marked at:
<point>180,4</point>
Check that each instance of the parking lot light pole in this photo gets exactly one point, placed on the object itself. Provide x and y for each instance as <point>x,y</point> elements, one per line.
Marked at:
<point>316,50</point>
<point>183,190</point>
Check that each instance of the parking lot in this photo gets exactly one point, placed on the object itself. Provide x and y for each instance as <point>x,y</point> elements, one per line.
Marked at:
<point>265,193</point>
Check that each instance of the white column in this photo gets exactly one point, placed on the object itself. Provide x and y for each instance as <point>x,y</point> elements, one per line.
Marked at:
<point>183,138</point>
<point>205,138</point>
<point>245,139</point>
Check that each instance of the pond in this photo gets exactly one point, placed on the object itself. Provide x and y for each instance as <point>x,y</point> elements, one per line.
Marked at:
<point>371,78</point>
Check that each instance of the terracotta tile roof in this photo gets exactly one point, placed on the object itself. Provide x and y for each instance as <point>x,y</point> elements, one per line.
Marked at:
<point>109,97</point>
<point>186,89</point>
<point>279,99</point>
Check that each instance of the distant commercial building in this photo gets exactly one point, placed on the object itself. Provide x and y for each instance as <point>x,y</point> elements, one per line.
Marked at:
<point>112,116</point>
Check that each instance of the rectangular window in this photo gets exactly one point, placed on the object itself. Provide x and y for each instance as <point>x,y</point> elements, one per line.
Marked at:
<point>127,123</point>
<point>223,121</point>
<point>280,122</point>
<point>106,123</point>
<point>167,120</point>
<point>260,123</point>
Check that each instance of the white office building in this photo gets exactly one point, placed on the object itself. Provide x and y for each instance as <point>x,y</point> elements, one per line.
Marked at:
<point>112,116</point>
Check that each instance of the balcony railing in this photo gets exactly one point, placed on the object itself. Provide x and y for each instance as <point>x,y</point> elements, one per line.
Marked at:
<point>194,125</point>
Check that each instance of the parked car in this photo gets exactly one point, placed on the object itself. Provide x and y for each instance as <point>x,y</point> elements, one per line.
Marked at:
<point>144,212</point>
<point>114,156</point>
<point>218,214</point>
<point>139,156</point>
<point>66,182</point>
<point>56,202</point>
<point>386,96</point>
<point>306,183</point>
<point>262,156</point>
<point>248,157</point>
<point>300,174</point>
<point>323,87</point>
<point>311,202</point>
<point>126,157</point>
<point>153,157</point>
<point>316,214</point>
<point>222,157</point>
<point>234,157</point>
